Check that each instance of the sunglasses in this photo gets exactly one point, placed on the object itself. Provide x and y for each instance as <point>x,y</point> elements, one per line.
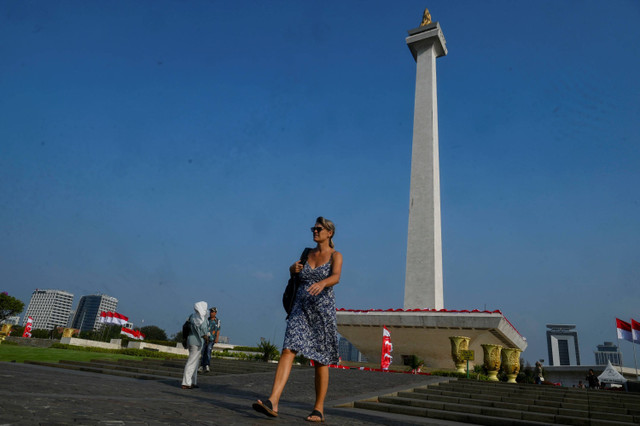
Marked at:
<point>316,229</point>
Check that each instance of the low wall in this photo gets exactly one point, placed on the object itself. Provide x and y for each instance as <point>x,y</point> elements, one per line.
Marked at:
<point>222,346</point>
<point>114,344</point>
<point>30,341</point>
<point>178,349</point>
<point>74,341</point>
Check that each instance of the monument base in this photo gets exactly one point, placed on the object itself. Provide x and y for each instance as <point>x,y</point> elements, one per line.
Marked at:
<point>425,333</point>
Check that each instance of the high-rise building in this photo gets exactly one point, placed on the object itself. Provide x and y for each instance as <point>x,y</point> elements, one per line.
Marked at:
<point>562,344</point>
<point>87,317</point>
<point>608,352</point>
<point>49,309</point>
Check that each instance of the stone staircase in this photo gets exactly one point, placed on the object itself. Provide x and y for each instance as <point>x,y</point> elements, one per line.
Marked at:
<point>159,369</point>
<point>483,403</point>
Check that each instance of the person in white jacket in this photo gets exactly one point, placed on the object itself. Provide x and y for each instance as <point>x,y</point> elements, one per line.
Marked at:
<point>197,338</point>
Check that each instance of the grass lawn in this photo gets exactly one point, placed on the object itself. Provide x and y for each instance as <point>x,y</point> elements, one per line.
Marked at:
<point>17,353</point>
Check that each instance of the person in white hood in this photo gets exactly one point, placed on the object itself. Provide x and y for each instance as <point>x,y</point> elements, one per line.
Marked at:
<point>197,337</point>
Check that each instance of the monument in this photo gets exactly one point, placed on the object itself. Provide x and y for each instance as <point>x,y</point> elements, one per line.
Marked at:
<point>423,327</point>
<point>423,279</point>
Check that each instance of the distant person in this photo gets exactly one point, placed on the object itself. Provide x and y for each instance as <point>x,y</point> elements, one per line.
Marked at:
<point>311,325</point>
<point>213,331</point>
<point>537,373</point>
<point>581,385</point>
<point>592,380</point>
<point>197,337</point>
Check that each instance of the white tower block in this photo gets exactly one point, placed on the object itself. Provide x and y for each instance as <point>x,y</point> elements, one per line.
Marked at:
<point>423,280</point>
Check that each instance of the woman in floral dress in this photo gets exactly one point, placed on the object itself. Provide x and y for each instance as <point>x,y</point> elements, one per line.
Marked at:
<point>311,326</point>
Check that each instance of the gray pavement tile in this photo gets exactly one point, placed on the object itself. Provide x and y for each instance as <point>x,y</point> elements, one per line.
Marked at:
<point>36,395</point>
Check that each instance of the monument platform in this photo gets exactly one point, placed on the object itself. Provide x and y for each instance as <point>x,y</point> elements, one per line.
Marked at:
<point>425,332</point>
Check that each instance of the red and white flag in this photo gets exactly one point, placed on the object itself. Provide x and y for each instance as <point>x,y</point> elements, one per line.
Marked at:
<point>624,330</point>
<point>387,348</point>
<point>133,334</point>
<point>113,318</point>
<point>27,328</point>
<point>635,331</point>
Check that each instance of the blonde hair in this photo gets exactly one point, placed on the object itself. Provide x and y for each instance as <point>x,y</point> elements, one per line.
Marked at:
<point>329,226</point>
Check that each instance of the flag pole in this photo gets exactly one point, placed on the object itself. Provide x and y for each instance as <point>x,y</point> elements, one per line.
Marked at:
<point>634,357</point>
<point>634,341</point>
<point>382,349</point>
<point>619,347</point>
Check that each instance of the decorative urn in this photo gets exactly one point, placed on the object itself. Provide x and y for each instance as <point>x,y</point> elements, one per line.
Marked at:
<point>492,360</point>
<point>459,343</point>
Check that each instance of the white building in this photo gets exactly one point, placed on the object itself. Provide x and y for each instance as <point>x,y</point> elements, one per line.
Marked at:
<point>608,352</point>
<point>49,309</point>
<point>15,320</point>
<point>562,344</point>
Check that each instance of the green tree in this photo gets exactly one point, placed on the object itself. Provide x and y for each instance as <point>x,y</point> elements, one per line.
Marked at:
<point>104,334</point>
<point>415,362</point>
<point>153,332</point>
<point>17,330</point>
<point>89,335</point>
<point>301,359</point>
<point>177,337</point>
<point>268,349</point>
<point>9,306</point>
<point>111,332</point>
<point>526,374</point>
<point>40,333</point>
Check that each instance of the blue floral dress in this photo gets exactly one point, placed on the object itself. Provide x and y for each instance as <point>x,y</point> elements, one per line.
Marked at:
<point>312,330</point>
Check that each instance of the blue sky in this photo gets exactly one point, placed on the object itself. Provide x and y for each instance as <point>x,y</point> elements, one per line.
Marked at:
<point>167,152</point>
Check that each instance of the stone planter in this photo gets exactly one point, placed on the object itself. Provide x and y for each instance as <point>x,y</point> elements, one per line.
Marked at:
<point>492,360</point>
<point>459,343</point>
<point>511,363</point>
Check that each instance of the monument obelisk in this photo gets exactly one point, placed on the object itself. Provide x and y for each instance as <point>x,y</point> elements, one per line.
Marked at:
<point>423,328</point>
<point>423,279</point>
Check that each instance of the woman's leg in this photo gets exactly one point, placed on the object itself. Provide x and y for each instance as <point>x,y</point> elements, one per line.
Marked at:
<point>282,375</point>
<point>322,385</point>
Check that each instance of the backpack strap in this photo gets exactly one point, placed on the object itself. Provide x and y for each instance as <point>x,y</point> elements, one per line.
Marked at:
<point>305,255</point>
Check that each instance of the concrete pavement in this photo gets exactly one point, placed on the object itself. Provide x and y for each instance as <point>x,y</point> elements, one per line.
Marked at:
<point>36,395</point>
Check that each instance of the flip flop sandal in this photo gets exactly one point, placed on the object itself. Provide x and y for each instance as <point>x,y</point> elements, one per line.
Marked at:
<point>315,413</point>
<point>265,408</point>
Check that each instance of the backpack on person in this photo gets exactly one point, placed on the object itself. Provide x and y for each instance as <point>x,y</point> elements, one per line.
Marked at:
<point>289,295</point>
<point>186,331</point>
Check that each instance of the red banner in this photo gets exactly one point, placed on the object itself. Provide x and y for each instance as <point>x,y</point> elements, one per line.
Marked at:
<point>27,328</point>
<point>387,348</point>
<point>624,330</point>
<point>113,318</point>
<point>133,334</point>
<point>635,330</point>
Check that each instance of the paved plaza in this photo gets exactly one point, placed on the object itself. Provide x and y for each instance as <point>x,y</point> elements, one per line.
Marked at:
<point>36,395</point>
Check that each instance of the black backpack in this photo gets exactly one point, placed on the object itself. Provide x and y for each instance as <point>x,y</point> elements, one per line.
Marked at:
<point>186,331</point>
<point>289,295</point>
